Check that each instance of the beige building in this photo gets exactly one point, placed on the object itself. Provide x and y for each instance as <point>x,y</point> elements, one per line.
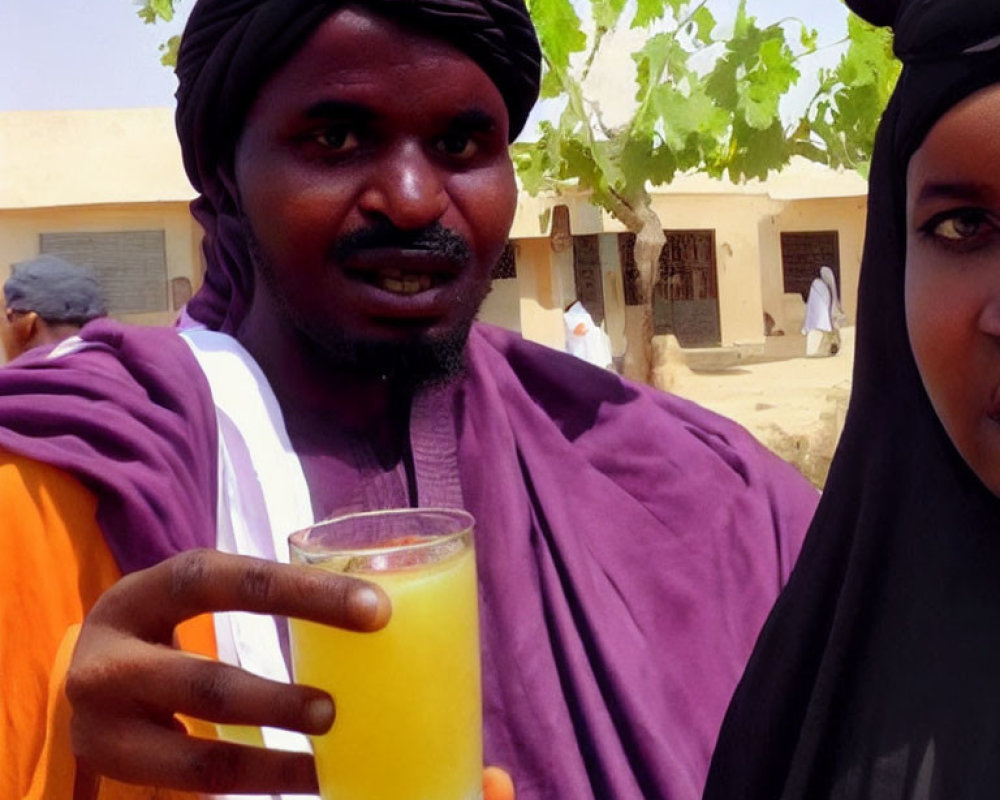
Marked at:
<point>106,188</point>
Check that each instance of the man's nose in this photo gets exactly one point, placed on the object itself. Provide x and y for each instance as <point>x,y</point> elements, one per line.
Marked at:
<point>406,188</point>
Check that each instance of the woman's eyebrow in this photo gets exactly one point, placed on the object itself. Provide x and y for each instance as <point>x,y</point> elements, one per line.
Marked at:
<point>955,190</point>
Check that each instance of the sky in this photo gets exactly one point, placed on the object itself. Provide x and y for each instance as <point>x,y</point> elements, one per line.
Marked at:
<point>87,54</point>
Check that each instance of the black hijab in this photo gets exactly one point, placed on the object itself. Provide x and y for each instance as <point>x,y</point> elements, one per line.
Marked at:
<point>877,675</point>
<point>231,47</point>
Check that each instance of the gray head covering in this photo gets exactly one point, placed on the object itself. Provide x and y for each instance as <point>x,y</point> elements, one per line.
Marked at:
<point>55,290</point>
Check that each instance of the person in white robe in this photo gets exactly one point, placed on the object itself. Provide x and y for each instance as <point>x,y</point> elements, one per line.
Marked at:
<point>824,316</point>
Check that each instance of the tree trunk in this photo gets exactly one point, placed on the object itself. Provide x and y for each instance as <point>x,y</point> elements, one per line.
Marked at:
<point>649,240</point>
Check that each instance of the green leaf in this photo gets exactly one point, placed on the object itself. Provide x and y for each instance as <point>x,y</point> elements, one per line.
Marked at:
<point>164,8</point>
<point>681,115</point>
<point>552,86</point>
<point>559,30</point>
<point>743,23</point>
<point>152,10</point>
<point>169,51</point>
<point>755,152</point>
<point>606,13</point>
<point>662,58</point>
<point>808,38</point>
<point>648,12</point>
<point>704,22</point>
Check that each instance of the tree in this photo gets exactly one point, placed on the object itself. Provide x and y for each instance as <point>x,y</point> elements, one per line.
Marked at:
<point>702,103</point>
<point>839,126</point>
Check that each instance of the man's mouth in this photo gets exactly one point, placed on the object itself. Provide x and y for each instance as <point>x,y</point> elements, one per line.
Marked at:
<point>398,281</point>
<point>403,264</point>
<point>403,273</point>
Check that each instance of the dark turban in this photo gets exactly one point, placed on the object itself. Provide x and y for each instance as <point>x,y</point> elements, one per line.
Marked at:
<point>230,48</point>
<point>876,675</point>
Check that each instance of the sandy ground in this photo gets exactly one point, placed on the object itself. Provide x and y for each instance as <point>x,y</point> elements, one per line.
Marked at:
<point>794,405</point>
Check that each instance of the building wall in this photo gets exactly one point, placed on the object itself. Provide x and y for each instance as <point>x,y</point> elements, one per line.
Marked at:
<point>846,215</point>
<point>123,172</point>
<point>747,230</point>
<point>20,232</point>
<point>542,282</point>
<point>734,218</point>
<point>88,157</point>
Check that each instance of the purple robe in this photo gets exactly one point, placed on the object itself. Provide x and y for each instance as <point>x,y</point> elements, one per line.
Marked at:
<point>629,543</point>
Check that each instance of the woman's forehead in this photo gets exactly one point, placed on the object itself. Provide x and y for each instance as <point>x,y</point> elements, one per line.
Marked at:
<point>962,143</point>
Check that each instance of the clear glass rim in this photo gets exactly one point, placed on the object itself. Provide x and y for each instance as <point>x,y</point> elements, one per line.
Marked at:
<point>298,541</point>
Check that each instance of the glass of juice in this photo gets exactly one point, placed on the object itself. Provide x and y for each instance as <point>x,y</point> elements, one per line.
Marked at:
<point>409,713</point>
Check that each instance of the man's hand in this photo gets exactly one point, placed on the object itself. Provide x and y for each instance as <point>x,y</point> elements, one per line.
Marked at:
<point>126,682</point>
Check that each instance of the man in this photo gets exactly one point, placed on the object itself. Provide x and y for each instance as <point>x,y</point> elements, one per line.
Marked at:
<point>356,190</point>
<point>47,300</point>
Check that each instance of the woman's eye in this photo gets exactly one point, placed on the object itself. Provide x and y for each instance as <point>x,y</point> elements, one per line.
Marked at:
<point>456,145</point>
<point>959,226</point>
<point>339,139</point>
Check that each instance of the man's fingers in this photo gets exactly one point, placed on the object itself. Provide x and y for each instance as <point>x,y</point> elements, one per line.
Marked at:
<point>201,581</point>
<point>217,692</point>
<point>144,752</point>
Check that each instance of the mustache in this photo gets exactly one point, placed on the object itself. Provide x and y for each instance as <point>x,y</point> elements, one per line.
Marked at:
<point>434,238</point>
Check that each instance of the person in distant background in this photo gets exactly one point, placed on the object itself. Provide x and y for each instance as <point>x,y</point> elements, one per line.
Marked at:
<point>585,338</point>
<point>47,300</point>
<point>824,316</point>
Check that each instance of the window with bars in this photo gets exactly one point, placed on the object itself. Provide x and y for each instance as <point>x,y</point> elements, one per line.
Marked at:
<point>131,265</point>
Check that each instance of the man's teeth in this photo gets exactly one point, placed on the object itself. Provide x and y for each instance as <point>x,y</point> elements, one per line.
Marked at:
<point>401,283</point>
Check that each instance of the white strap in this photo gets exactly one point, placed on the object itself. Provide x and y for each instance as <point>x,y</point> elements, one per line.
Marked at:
<point>263,496</point>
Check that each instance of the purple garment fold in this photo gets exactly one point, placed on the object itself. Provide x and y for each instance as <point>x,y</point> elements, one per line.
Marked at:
<point>130,415</point>
<point>629,543</point>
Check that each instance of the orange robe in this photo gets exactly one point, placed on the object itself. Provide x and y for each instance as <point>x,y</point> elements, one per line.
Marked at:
<point>54,565</point>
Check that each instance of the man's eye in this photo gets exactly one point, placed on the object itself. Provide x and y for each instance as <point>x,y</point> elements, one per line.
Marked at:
<point>456,145</point>
<point>339,139</point>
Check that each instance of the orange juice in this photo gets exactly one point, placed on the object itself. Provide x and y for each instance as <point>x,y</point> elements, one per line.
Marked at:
<point>409,719</point>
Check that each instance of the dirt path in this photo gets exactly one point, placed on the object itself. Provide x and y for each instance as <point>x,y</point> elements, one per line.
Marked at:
<point>794,406</point>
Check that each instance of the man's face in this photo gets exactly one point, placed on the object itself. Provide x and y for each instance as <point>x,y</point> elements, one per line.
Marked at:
<point>375,180</point>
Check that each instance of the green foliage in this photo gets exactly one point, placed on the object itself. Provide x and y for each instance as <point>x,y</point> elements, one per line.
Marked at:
<point>840,124</point>
<point>153,11</point>
<point>169,51</point>
<point>701,102</point>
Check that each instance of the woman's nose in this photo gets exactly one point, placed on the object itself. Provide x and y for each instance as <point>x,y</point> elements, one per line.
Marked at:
<point>989,317</point>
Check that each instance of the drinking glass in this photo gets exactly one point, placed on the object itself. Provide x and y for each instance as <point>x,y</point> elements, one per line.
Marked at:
<point>409,716</point>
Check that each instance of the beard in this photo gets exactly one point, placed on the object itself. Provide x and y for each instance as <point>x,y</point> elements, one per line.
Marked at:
<point>421,361</point>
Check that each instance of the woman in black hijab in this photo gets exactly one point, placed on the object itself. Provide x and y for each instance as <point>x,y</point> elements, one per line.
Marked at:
<point>877,675</point>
